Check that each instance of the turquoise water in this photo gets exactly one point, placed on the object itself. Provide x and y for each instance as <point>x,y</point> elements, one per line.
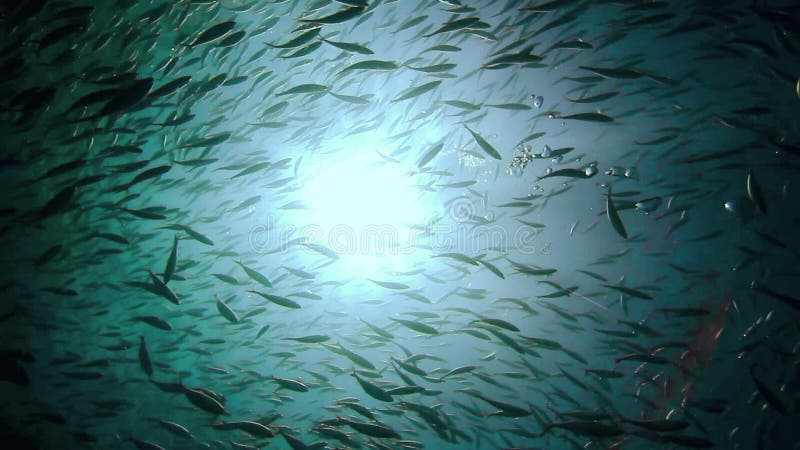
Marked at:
<point>399,224</point>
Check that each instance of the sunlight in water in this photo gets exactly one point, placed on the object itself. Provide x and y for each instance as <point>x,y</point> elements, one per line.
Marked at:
<point>363,206</point>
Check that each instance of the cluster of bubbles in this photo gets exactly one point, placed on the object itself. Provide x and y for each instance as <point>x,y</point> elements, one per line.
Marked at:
<point>519,162</point>
<point>617,171</point>
<point>590,170</point>
<point>525,155</point>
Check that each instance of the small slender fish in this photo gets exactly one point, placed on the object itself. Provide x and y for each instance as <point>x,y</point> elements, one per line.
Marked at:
<point>483,144</point>
<point>227,312</point>
<point>172,261</point>
<point>214,32</point>
<point>755,194</point>
<point>416,91</point>
<point>613,216</point>
<point>455,25</point>
<point>340,16</point>
<point>144,358</point>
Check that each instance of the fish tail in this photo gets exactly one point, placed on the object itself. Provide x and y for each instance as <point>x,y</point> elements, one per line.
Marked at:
<point>545,430</point>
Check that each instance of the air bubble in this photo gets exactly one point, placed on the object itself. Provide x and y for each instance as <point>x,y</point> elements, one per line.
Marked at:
<point>730,206</point>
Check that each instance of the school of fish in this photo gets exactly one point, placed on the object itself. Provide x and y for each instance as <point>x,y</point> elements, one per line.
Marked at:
<point>644,150</point>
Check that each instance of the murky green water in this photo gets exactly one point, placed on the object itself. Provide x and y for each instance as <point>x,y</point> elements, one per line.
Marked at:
<point>399,224</point>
